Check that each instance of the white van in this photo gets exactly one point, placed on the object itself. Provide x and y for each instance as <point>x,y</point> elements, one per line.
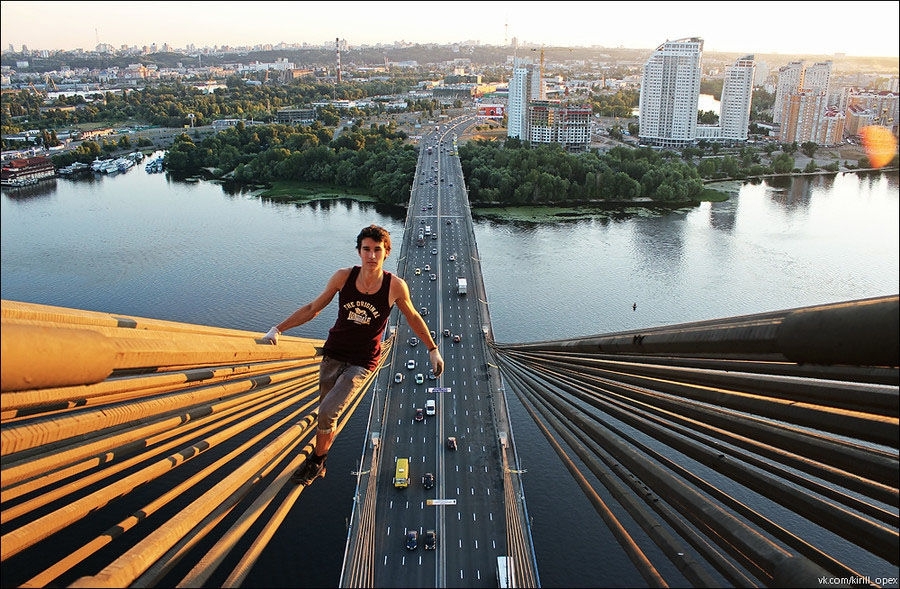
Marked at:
<point>430,407</point>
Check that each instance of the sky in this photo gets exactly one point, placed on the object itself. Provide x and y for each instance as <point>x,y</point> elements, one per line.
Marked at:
<point>864,28</point>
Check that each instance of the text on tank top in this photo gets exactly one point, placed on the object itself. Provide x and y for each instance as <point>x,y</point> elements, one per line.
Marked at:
<point>356,335</point>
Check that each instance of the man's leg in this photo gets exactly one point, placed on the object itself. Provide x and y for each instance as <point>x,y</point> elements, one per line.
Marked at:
<point>338,383</point>
<point>323,442</point>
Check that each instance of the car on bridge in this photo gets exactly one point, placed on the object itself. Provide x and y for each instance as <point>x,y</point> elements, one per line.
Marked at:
<point>419,378</point>
<point>428,480</point>
<point>430,541</point>
<point>398,377</point>
<point>420,414</point>
<point>412,540</point>
<point>413,341</point>
<point>451,443</point>
<point>411,364</point>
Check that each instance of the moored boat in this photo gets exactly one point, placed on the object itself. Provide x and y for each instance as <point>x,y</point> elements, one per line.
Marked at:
<point>124,164</point>
<point>73,169</point>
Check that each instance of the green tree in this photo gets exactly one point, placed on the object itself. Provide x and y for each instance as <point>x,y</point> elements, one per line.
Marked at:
<point>809,148</point>
<point>783,163</point>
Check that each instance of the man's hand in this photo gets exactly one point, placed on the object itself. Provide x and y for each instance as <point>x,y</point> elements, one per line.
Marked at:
<point>272,336</point>
<point>437,362</point>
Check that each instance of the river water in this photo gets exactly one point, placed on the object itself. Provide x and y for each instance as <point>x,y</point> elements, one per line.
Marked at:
<point>145,245</point>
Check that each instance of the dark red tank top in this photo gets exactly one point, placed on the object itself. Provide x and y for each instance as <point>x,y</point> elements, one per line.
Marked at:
<point>356,335</point>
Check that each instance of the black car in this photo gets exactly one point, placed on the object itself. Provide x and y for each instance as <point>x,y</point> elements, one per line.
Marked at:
<point>412,540</point>
<point>451,443</point>
<point>428,480</point>
<point>430,540</point>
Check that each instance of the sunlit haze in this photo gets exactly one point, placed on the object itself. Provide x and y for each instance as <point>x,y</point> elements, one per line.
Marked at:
<point>790,28</point>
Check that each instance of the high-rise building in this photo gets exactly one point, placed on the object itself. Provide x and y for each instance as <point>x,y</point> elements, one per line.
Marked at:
<point>550,121</point>
<point>737,92</point>
<point>670,93</point>
<point>524,86</point>
<point>817,77</point>
<point>790,80</point>
<point>800,121</point>
<point>801,100</point>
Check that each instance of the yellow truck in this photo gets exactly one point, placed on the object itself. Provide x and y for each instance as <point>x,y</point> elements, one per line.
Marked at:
<point>401,473</point>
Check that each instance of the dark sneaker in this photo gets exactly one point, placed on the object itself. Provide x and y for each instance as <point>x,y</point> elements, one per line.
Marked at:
<point>309,471</point>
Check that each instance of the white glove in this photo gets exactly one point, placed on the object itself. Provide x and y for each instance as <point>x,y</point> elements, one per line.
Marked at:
<point>437,362</point>
<point>272,336</point>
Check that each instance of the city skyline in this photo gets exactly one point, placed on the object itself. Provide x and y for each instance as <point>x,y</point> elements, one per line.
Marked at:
<point>747,27</point>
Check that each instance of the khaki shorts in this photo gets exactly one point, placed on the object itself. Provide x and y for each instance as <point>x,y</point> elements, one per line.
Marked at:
<point>338,382</point>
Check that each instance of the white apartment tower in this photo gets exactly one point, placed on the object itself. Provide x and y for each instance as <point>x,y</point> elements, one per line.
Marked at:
<point>817,77</point>
<point>670,92</point>
<point>524,86</point>
<point>737,92</point>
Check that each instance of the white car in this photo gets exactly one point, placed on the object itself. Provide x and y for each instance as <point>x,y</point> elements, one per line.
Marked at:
<point>398,377</point>
<point>411,364</point>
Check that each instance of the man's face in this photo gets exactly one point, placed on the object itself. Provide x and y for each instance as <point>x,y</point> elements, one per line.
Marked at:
<point>371,252</point>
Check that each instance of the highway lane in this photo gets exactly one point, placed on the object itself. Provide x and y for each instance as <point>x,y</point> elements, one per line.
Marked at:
<point>470,515</point>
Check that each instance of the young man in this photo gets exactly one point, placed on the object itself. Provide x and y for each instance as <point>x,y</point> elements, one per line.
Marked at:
<point>367,293</point>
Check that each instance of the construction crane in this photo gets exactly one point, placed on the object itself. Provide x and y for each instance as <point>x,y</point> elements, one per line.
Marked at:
<point>541,72</point>
<point>49,83</point>
<point>542,68</point>
<point>542,60</point>
<point>36,91</point>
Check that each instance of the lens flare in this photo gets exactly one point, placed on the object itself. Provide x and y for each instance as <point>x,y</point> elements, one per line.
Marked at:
<point>880,145</point>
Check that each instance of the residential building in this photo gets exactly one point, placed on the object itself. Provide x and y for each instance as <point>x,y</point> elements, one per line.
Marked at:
<point>801,119</point>
<point>801,99</point>
<point>737,93</point>
<point>550,121</point>
<point>831,127</point>
<point>880,108</point>
<point>790,80</point>
<point>817,77</point>
<point>670,93</point>
<point>524,86</point>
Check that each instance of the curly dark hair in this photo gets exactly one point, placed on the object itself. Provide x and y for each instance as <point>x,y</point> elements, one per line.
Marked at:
<point>379,234</point>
